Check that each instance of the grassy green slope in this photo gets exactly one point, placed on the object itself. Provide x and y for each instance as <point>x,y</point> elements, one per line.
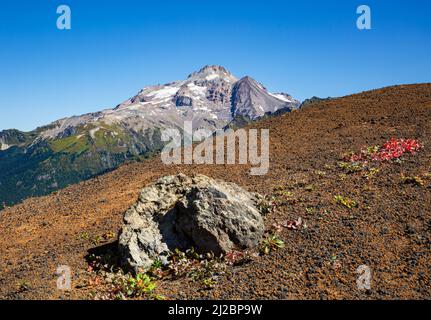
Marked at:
<point>54,164</point>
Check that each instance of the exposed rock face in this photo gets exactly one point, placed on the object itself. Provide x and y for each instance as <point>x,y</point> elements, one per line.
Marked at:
<point>252,100</point>
<point>184,212</point>
<point>183,101</point>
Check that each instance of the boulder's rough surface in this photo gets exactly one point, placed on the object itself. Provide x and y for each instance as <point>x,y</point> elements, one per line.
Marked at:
<point>183,212</point>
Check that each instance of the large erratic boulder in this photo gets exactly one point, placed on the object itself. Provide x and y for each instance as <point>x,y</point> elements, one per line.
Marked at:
<point>184,212</point>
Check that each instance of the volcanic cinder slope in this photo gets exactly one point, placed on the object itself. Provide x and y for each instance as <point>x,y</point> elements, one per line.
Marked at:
<point>389,231</point>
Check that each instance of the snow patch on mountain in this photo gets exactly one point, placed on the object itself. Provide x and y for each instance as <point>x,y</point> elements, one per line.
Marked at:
<point>163,93</point>
<point>282,97</point>
<point>93,132</point>
<point>4,146</point>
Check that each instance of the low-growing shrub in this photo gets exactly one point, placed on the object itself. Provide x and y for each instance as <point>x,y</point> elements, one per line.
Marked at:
<point>349,203</point>
<point>271,243</point>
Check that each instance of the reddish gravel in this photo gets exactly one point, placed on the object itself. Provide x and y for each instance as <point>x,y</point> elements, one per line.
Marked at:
<point>389,230</point>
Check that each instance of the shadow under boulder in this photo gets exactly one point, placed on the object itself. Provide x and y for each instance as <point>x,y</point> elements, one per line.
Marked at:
<point>184,212</point>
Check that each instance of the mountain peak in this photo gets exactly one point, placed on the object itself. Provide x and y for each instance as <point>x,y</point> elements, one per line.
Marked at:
<point>248,79</point>
<point>211,70</point>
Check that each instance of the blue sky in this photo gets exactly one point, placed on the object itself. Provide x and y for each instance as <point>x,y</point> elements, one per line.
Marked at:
<point>115,48</point>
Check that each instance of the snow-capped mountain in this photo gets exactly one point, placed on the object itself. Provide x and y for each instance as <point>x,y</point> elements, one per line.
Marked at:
<point>211,97</point>
<point>76,148</point>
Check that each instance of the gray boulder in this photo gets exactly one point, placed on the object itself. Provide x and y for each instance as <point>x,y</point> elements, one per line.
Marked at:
<point>183,212</point>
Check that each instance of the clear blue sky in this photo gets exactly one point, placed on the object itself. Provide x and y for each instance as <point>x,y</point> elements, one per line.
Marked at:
<point>115,48</point>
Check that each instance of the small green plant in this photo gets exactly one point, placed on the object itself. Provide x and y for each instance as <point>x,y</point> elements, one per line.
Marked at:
<point>23,286</point>
<point>310,188</point>
<point>139,286</point>
<point>321,173</point>
<point>158,297</point>
<point>271,243</point>
<point>157,264</point>
<point>309,210</point>
<point>349,203</point>
<point>208,283</point>
<point>83,236</point>
<point>96,240</point>
<point>350,167</point>
<point>372,150</point>
<point>265,207</point>
<point>284,193</point>
<point>157,269</point>
<point>342,176</point>
<point>109,235</point>
<point>372,172</point>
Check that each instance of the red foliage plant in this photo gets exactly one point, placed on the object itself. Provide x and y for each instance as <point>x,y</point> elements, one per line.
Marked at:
<point>391,150</point>
<point>394,149</point>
